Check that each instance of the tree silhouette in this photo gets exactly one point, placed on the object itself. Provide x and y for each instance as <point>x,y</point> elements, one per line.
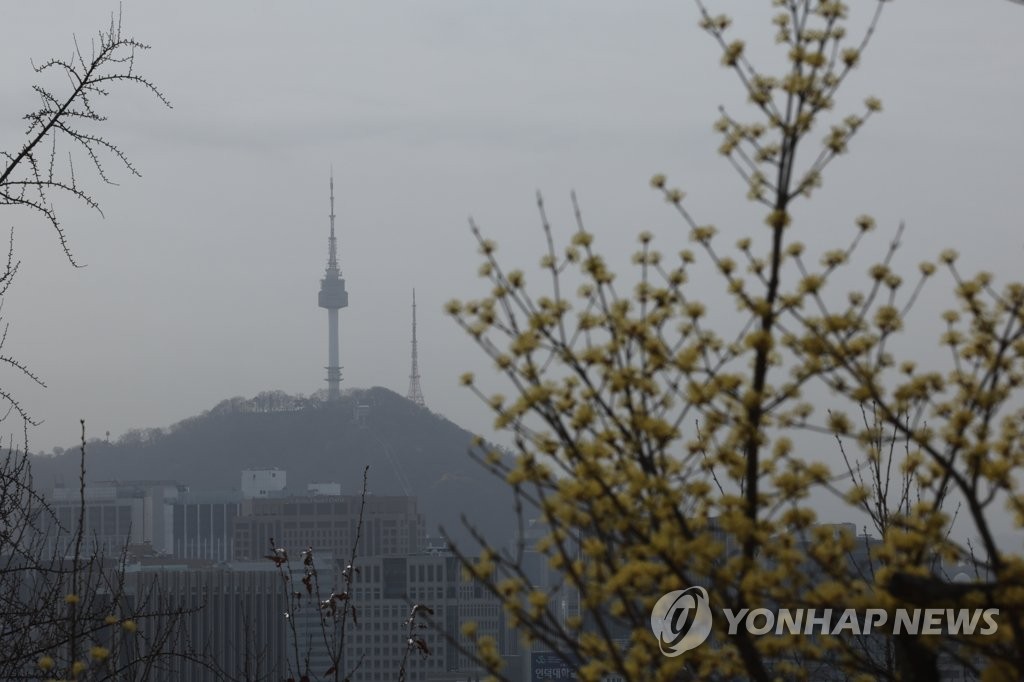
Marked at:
<point>67,126</point>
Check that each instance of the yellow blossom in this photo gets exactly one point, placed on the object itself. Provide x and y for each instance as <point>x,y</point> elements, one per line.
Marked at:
<point>865,223</point>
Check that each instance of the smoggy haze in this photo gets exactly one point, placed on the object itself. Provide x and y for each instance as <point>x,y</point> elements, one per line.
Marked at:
<point>201,281</point>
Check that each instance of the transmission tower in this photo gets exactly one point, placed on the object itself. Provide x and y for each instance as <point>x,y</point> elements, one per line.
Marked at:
<point>333,297</point>
<point>415,392</point>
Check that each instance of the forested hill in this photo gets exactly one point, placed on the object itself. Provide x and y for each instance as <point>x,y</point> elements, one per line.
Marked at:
<point>408,448</point>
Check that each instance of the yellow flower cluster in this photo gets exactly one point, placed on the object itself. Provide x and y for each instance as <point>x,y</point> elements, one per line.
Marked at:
<point>664,442</point>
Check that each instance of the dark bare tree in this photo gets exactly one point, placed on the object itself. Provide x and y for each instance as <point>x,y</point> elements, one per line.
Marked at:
<point>66,127</point>
<point>69,611</point>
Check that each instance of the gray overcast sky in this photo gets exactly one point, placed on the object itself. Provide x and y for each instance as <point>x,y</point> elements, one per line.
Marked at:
<point>201,280</point>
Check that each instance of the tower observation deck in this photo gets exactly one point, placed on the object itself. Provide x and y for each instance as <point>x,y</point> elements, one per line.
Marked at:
<point>333,297</point>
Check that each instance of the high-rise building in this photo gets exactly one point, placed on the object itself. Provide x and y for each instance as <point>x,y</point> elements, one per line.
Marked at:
<point>230,617</point>
<point>385,590</point>
<point>392,525</point>
<point>116,514</point>
<point>202,525</point>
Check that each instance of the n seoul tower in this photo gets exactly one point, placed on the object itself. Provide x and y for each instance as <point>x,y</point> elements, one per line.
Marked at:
<point>333,297</point>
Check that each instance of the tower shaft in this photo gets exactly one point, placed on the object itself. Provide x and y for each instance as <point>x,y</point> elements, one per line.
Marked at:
<point>333,368</point>
<point>333,297</point>
<point>415,391</point>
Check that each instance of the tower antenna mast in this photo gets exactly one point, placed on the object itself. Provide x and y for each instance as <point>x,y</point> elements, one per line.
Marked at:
<point>415,391</point>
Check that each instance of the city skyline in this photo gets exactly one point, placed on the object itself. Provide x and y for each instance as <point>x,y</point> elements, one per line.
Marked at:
<point>552,99</point>
<point>198,279</point>
<point>709,396</point>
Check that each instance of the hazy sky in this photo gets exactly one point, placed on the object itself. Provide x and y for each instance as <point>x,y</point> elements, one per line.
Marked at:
<point>201,280</point>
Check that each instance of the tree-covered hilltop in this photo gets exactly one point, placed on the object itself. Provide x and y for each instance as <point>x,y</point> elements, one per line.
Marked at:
<point>410,450</point>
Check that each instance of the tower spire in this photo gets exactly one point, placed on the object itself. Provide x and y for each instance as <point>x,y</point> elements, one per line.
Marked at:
<point>415,392</point>
<point>332,242</point>
<point>333,297</point>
